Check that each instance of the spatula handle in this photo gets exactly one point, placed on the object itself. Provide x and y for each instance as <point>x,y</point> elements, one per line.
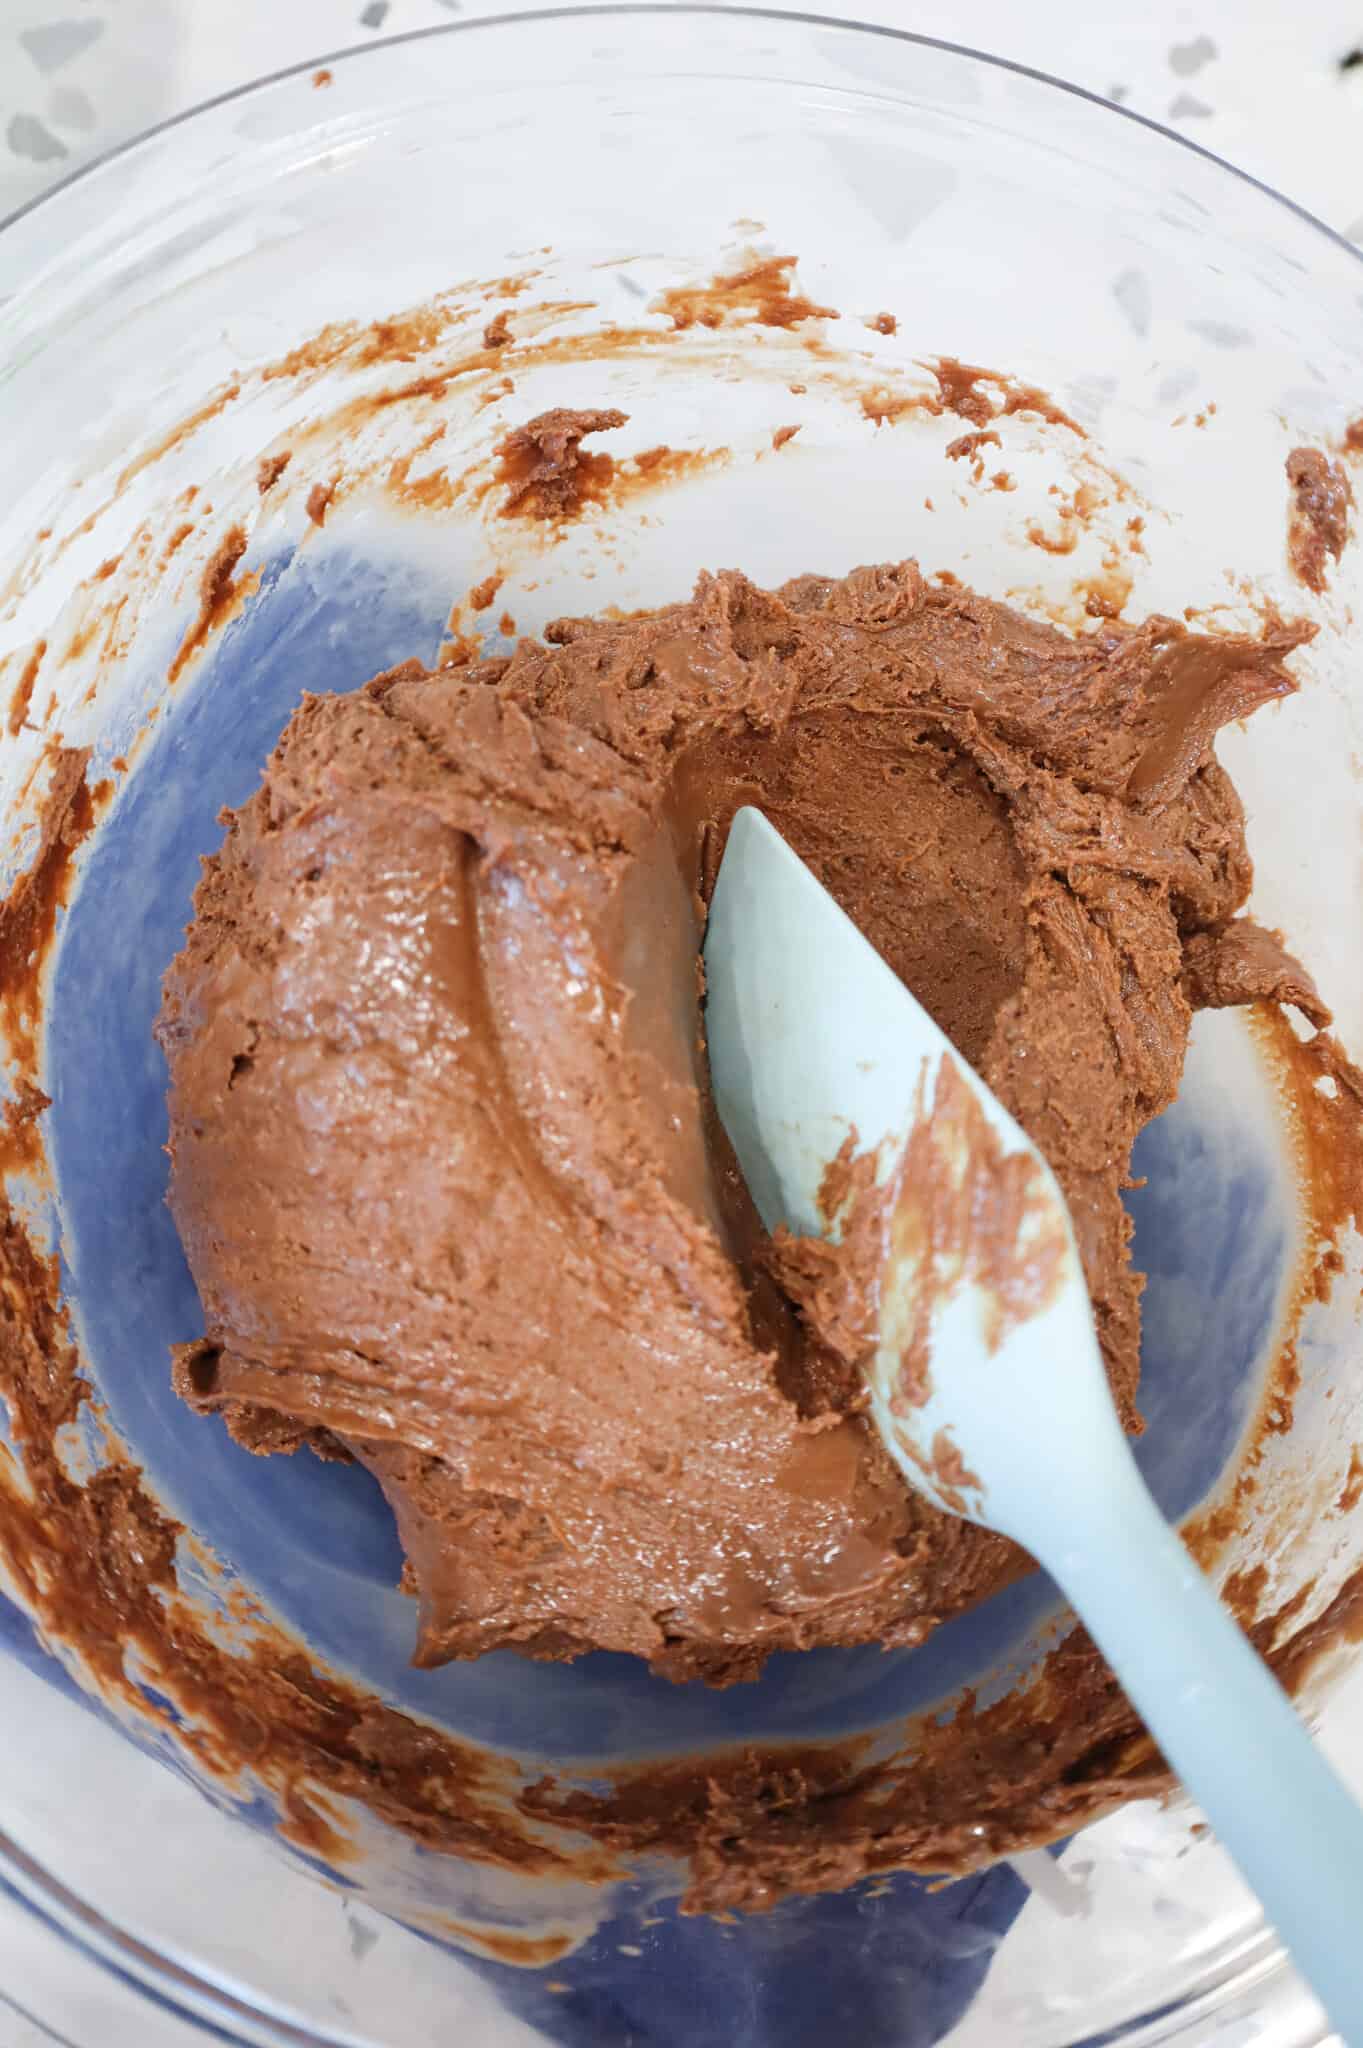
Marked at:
<point>1224,1723</point>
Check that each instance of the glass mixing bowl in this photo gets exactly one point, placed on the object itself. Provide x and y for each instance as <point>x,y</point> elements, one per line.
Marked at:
<point>310,267</point>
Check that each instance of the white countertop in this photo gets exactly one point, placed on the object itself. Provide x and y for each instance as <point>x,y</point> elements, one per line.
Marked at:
<point>1265,83</point>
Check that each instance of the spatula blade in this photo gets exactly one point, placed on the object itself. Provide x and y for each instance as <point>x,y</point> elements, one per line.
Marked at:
<point>811,1036</point>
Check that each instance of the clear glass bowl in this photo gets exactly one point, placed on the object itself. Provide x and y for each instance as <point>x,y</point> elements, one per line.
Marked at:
<point>581,165</point>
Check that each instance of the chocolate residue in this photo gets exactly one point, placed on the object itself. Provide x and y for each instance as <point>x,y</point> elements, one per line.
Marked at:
<point>28,916</point>
<point>434,491</point>
<point>521,1951</point>
<point>322,77</point>
<point>404,337</point>
<point>1062,543</point>
<point>439,337</point>
<point>960,390</point>
<point>1294,1659</point>
<point>219,595</point>
<point>883,323</point>
<point>319,502</point>
<point>952,1476</point>
<point>22,694</point>
<point>553,480</point>
<point>176,539</point>
<point>945,1470</point>
<point>21,1145</point>
<point>174,437</point>
<point>653,467</point>
<point>836,1300</point>
<point>755,1826</point>
<point>1325,1090</point>
<point>884,404</point>
<point>430,335</point>
<point>1318,514</point>
<point>969,445</point>
<point>268,472</point>
<point>483,595</point>
<point>543,463</point>
<point>1351,1493</point>
<point>497,333</point>
<point>780,436</point>
<point>972,393</point>
<point>759,295</point>
<point>959,1212</point>
<point>1106,592</point>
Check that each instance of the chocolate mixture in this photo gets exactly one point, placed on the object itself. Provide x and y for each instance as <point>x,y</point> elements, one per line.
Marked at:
<point>443,1162</point>
<point>1318,515</point>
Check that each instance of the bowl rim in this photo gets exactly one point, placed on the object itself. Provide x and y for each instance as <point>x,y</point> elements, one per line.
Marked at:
<point>175,1986</point>
<point>597,10</point>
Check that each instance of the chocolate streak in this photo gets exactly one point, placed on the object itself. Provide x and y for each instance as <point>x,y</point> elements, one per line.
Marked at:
<point>965,1214</point>
<point>1318,518</point>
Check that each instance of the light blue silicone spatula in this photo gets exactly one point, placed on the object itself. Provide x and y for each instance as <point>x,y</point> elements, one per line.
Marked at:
<point>987,1385</point>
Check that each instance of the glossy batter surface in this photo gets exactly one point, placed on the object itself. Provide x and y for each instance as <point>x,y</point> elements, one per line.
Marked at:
<point>444,1164</point>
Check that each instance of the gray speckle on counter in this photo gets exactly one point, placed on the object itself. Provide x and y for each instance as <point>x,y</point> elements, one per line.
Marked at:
<point>1187,58</point>
<point>897,191</point>
<point>1132,292</point>
<point>54,43</point>
<point>1178,384</point>
<point>1221,333</point>
<point>69,107</point>
<point>1088,397</point>
<point>1187,107</point>
<point>27,136</point>
<point>374,15</point>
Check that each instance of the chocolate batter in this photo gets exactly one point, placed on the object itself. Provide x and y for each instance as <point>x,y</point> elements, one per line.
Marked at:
<point>443,1162</point>
<point>1318,515</point>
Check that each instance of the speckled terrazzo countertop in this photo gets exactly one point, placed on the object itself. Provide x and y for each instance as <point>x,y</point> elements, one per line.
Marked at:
<point>1274,86</point>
